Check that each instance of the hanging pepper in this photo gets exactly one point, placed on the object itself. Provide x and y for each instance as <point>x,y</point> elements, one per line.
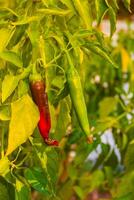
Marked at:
<point>77,98</point>
<point>39,95</point>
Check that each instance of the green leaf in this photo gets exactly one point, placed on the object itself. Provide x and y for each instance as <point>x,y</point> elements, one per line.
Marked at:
<point>63,119</point>
<point>5,113</point>
<point>105,123</point>
<point>83,8</point>
<point>40,152</point>
<point>60,12</point>
<point>17,35</point>
<point>3,192</point>
<point>125,187</point>
<point>23,88</point>
<point>37,180</point>
<point>128,196</point>
<point>43,159</point>
<point>7,191</point>
<point>75,136</point>
<point>79,192</point>
<point>26,20</point>
<point>67,188</point>
<point>98,177</point>
<point>127,4</point>
<point>129,158</point>
<point>97,49</point>
<point>9,84</point>
<point>112,16</point>
<point>33,33</point>
<point>107,105</point>
<point>58,82</point>
<point>90,182</point>
<point>24,119</point>
<point>109,175</point>
<point>84,150</point>
<point>68,3</point>
<point>72,172</point>
<point>11,57</point>
<point>22,191</point>
<point>52,167</point>
<point>115,4</point>
<point>101,9</point>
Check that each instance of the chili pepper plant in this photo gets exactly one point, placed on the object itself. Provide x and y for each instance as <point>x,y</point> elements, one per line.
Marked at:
<point>62,90</point>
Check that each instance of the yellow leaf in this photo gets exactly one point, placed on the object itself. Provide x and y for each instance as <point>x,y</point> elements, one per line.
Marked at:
<point>125,58</point>
<point>83,8</point>
<point>5,36</point>
<point>4,166</point>
<point>24,119</point>
<point>81,56</point>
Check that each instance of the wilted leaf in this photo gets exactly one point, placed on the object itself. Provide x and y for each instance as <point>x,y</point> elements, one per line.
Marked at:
<point>24,119</point>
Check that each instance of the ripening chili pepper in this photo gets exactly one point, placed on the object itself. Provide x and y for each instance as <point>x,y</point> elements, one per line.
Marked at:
<point>77,98</point>
<point>39,95</point>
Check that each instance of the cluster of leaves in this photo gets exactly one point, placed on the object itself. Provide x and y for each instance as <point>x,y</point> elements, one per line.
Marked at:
<point>39,32</point>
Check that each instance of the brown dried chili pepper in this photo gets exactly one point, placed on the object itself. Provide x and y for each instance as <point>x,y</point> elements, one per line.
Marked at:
<point>40,97</point>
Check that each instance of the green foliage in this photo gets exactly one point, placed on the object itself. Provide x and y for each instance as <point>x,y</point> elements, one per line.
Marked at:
<point>7,191</point>
<point>42,33</point>
<point>37,180</point>
<point>22,191</point>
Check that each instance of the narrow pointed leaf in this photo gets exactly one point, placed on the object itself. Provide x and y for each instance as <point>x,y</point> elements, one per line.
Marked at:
<point>11,57</point>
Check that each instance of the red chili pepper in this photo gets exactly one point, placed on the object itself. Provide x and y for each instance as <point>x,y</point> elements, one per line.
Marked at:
<point>40,98</point>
